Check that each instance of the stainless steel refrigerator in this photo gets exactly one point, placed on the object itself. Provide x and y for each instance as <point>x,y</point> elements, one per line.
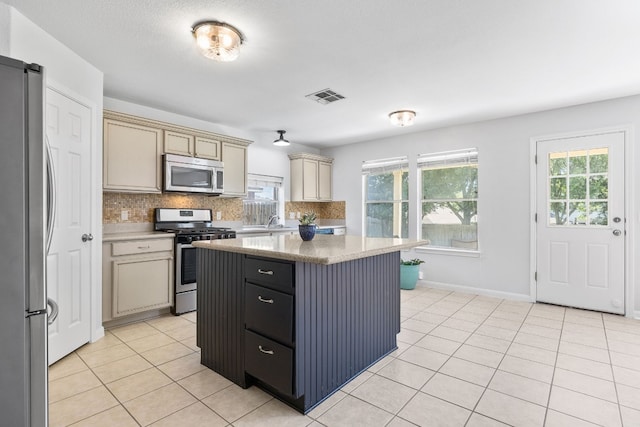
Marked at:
<point>25,211</point>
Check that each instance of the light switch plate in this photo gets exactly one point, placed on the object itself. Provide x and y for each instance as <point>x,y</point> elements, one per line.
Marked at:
<point>292,215</point>
<point>124,215</point>
<point>218,215</point>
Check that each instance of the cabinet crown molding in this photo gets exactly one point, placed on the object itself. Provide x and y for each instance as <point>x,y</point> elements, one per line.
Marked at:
<point>309,156</point>
<point>128,118</point>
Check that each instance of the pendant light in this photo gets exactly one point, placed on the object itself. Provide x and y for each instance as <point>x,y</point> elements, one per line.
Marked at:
<point>281,142</point>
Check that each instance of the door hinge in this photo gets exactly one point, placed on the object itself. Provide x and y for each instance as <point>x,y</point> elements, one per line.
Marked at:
<point>535,159</point>
<point>535,217</point>
<point>535,276</point>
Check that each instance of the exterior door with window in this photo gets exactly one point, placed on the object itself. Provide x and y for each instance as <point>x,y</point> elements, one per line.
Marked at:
<point>580,229</point>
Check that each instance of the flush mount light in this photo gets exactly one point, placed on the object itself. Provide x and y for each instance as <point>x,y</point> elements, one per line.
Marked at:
<point>281,142</point>
<point>217,40</point>
<point>402,117</point>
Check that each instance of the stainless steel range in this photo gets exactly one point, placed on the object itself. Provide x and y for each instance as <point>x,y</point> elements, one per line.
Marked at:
<point>189,225</point>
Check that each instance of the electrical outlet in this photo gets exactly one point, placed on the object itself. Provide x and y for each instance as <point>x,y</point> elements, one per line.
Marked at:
<point>292,215</point>
<point>124,215</point>
<point>420,275</point>
<point>218,215</point>
<point>298,215</point>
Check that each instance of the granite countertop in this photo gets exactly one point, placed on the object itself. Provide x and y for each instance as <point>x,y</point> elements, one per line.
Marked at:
<point>135,235</point>
<point>323,249</point>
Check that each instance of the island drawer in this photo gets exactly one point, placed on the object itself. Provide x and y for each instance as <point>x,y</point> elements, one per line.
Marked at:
<point>269,313</point>
<point>269,362</point>
<point>277,275</point>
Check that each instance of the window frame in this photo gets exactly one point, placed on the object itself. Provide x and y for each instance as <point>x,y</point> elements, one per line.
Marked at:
<point>383,166</point>
<point>448,159</point>
<point>278,182</point>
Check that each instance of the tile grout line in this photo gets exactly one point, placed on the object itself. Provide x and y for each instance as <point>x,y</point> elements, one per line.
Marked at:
<point>497,367</point>
<point>553,375</point>
<point>613,375</point>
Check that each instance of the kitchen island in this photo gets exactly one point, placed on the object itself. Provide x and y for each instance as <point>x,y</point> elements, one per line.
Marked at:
<point>299,319</point>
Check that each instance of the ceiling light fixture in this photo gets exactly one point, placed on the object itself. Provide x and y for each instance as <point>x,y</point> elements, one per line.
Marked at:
<point>402,117</point>
<point>281,142</point>
<point>217,40</point>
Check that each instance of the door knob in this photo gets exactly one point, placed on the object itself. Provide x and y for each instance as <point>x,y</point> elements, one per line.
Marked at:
<point>617,232</point>
<point>87,237</point>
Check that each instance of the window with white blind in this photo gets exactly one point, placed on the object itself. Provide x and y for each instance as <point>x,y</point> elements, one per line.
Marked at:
<point>386,197</point>
<point>449,199</point>
<point>264,199</point>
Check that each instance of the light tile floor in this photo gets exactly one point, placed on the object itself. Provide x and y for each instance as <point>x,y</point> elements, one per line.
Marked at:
<point>462,360</point>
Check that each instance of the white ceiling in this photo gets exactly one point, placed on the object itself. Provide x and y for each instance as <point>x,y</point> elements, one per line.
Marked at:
<point>452,61</point>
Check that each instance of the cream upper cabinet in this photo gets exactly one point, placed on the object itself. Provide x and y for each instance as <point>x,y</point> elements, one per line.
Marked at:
<point>311,177</point>
<point>132,157</point>
<point>325,170</point>
<point>133,149</point>
<point>234,158</point>
<point>178,143</point>
<point>207,148</point>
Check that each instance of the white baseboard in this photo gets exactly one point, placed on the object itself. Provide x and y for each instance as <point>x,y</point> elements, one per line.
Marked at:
<point>479,291</point>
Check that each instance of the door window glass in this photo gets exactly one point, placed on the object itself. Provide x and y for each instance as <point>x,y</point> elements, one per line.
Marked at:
<point>579,188</point>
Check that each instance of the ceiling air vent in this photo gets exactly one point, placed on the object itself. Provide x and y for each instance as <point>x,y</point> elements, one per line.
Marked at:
<point>325,96</point>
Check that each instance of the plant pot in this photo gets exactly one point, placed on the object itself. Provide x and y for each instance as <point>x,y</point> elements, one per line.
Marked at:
<point>409,276</point>
<point>307,232</point>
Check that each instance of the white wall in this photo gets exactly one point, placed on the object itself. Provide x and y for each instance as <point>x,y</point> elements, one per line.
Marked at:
<point>75,77</point>
<point>263,157</point>
<point>504,199</point>
<point>5,29</point>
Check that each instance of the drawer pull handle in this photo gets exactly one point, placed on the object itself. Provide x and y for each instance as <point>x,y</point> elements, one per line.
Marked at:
<point>265,351</point>
<point>267,272</point>
<point>268,301</point>
<point>144,247</point>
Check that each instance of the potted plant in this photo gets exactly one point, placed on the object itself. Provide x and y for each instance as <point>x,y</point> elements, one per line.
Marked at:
<point>409,273</point>
<point>307,227</point>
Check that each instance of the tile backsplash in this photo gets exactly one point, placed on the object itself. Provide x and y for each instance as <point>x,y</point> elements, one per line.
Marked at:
<point>324,210</point>
<point>140,207</point>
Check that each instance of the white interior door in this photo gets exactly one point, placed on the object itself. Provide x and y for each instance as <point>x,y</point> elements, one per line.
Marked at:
<point>68,128</point>
<point>581,226</point>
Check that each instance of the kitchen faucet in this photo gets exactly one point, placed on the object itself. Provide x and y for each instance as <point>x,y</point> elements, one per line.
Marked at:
<point>271,219</point>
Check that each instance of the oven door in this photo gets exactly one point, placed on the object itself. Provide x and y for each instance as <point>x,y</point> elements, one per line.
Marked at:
<point>185,268</point>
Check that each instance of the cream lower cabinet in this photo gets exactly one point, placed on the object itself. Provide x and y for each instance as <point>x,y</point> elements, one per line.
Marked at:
<point>137,276</point>
<point>311,178</point>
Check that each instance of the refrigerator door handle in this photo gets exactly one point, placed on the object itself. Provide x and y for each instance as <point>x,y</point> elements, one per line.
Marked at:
<point>54,310</point>
<point>52,202</point>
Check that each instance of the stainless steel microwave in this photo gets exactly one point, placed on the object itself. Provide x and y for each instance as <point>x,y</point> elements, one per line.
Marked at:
<point>192,175</point>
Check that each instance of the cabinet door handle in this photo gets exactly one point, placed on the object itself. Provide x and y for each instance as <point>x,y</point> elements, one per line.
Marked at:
<point>144,247</point>
<point>267,272</point>
<point>264,350</point>
<point>268,301</point>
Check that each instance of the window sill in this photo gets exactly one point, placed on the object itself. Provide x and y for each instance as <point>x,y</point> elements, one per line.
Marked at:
<point>447,251</point>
